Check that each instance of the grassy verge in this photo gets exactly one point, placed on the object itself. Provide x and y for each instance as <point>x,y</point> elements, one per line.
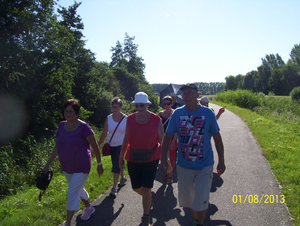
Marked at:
<point>24,208</point>
<point>280,143</point>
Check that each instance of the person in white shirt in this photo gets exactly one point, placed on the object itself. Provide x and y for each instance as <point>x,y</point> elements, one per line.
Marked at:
<point>110,124</point>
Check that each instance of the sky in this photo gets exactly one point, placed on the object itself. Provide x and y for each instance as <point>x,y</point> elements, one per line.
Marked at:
<point>184,41</point>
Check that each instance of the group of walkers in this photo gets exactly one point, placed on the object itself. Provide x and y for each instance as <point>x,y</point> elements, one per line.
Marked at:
<point>144,139</point>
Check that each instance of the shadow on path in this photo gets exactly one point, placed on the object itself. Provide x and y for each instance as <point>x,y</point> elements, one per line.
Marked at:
<point>212,208</point>
<point>104,211</point>
<point>165,204</point>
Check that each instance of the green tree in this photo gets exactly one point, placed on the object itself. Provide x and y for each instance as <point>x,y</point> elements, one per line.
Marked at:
<point>231,83</point>
<point>248,82</point>
<point>39,74</point>
<point>295,56</point>
<point>128,68</point>
<point>291,77</point>
<point>269,63</point>
<point>276,81</point>
<point>117,58</point>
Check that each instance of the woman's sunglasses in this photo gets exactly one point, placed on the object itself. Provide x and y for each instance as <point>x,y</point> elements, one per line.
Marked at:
<point>141,105</point>
<point>167,104</point>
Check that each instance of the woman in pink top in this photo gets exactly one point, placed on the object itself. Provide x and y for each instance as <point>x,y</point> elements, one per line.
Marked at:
<point>143,136</point>
<point>73,141</point>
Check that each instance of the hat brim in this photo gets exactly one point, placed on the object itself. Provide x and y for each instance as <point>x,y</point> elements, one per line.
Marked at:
<point>134,102</point>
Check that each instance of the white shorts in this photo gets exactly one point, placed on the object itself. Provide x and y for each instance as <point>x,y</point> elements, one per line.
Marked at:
<point>194,187</point>
<point>76,190</point>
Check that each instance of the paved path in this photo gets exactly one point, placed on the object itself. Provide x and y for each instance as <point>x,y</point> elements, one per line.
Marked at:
<point>247,174</point>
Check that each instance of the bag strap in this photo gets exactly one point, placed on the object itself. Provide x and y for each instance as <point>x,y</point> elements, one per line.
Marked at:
<point>166,121</point>
<point>116,128</point>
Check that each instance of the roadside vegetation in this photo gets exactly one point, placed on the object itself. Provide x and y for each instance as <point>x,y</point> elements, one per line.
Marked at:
<point>274,122</point>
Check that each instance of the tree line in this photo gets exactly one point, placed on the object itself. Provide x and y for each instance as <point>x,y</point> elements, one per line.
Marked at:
<point>204,88</point>
<point>44,62</point>
<point>272,76</point>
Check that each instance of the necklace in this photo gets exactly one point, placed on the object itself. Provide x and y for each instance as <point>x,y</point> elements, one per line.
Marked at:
<point>118,117</point>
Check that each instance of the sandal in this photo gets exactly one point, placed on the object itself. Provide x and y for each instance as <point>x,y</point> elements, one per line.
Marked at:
<point>170,180</point>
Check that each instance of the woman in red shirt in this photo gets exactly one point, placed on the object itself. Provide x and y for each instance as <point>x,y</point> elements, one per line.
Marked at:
<point>143,136</point>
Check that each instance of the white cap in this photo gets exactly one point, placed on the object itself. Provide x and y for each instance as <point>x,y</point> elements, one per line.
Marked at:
<point>141,97</point>
<point>204,99</point>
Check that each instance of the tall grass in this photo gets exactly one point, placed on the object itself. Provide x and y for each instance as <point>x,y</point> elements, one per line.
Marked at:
<point>21,163</point>
<point>23,206</point>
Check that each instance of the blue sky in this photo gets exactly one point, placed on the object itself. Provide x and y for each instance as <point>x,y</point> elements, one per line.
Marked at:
<point>192,40</point>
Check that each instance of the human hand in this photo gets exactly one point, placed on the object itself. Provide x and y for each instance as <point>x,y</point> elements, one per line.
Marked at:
<point>100,170</point>
<point>221,168</point>
<point>173,144</point>
<point>170,168</point>
<point>121,162</point>
<point>221,110</point>
<point>46,168</point>
<point>165,166</point>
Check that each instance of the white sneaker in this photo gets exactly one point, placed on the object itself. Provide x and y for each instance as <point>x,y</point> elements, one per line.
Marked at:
<point>87,213</point>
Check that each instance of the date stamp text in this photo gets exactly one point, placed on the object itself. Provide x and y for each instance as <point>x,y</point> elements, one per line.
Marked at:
<point>264,198</point>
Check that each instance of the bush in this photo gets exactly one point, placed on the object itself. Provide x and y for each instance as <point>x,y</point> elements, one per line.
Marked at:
<point>22,161</point>
<point>241,98</point>
<point>295,93</point>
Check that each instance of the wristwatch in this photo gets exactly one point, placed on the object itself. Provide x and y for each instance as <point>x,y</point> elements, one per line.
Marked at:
<point>99,163</point>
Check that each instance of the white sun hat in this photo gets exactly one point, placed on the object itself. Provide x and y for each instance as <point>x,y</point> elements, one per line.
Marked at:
<point>141,97</point>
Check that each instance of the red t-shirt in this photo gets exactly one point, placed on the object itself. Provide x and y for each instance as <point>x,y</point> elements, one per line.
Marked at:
<point>143,136</point>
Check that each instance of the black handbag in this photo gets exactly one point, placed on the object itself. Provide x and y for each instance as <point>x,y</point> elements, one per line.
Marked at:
<point>43,181</point>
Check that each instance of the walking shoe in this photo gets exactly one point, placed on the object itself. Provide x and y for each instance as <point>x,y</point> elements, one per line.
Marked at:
<point>113,192</point>
<point>146,220</point>
<point>195,223</point>
<point>122,181</point>
<point>87,213</point>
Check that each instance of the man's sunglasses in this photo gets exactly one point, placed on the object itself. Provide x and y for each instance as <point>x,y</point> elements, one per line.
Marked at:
<point>167,104</point>
<point>141,105</point>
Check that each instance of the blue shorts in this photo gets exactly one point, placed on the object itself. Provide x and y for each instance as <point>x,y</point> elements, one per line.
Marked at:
<point>115,153</point>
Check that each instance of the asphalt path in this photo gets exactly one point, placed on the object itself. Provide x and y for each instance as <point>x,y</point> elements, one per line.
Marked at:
<point>246,194</point>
